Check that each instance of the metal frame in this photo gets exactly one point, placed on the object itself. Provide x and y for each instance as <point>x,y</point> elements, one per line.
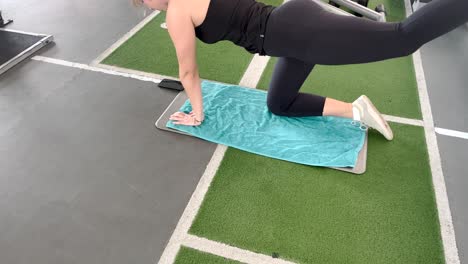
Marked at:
<point>367,12</point>
<point>332,9</point>
<point>45,39</point>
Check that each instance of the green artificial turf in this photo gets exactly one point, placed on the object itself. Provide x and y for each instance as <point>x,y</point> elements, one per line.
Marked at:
<point>309,214</point>
<point>320,215</point>
<point>192,256</point>
<point>390,84</point>
<point>151,50</point>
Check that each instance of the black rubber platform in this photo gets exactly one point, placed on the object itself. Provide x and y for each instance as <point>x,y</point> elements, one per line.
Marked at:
<point>13,43</point>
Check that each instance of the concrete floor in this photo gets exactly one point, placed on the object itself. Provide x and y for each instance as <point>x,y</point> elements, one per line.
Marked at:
<point>82,29</point>
<point>445,62</point>
<point>84,175</point>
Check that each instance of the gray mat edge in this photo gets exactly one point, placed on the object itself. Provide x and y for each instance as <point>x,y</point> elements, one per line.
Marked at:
<point>180,99</point>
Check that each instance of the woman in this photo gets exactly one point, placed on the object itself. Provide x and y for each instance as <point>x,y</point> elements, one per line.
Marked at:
<point>302,34</point>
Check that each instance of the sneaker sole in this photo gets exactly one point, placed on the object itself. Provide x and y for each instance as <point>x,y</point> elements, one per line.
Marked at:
<point>384,125</point>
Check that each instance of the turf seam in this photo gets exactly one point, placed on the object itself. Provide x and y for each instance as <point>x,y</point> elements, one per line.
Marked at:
<point>445,217</point>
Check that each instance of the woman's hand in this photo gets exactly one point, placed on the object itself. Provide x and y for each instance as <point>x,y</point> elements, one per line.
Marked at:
<point>181,118</point>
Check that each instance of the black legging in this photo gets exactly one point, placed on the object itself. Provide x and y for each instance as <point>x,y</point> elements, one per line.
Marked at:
<point>301,33</point>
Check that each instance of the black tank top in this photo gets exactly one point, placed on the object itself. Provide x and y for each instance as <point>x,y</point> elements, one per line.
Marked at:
<point>240,21</point>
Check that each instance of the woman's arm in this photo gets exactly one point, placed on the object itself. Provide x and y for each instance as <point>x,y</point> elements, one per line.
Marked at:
<point>182,32</point>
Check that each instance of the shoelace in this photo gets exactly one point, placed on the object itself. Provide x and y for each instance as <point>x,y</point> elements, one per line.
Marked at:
<point>359,124</point>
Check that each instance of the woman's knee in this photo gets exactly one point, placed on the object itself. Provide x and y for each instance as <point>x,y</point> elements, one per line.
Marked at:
<point>276,107</point>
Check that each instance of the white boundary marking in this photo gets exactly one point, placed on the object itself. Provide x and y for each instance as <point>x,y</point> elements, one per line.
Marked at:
<point>402,120</point>
<point>134,72</point>
<point>223,250</point>
<point>183,226</point>
<point>445,216</point>
<point>96,69</point>
<point>451,133</point>
<point>254,71</point>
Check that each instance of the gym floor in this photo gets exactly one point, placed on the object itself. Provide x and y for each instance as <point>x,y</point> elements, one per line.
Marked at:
<point>86,177</point>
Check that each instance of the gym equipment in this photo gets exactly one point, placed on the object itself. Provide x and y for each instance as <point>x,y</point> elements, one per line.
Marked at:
<point>359,8</point>
<point>16,46</point>
<point>2,22</point>
<point>238,117</point>
<point>361,2</point>
<point>417,4</point>
<point>380,8</point>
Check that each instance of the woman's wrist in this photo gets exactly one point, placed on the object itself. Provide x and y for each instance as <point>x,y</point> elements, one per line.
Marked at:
<point>200,117</point>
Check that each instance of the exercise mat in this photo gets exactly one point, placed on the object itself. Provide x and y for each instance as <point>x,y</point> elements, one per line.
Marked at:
<point>238,117</point>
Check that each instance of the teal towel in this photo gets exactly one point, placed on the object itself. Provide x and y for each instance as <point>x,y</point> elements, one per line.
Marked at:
<point>238,117</point>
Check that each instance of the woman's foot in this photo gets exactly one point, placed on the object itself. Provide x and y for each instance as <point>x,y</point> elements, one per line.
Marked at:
<point>365,112</point>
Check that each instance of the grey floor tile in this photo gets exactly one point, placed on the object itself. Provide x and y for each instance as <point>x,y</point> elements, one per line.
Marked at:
<point>454,154</point>
<point>82,29</point>
<point>85,177</point>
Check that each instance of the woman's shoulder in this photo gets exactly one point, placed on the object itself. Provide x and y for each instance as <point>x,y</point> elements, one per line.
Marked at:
<point>196,9</point>
<point>199,10</point>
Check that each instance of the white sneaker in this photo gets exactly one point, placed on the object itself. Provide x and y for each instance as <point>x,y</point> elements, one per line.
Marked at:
<point>365,112</point>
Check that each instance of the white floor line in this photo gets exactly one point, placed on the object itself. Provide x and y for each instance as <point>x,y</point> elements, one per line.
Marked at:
<point>402,120</point>
<point>122,40</point>
<point>134,72</point>
<point>223,250</point>
<point>451,133</point>
<point>183,226</point>
<point>254,71</point>
<point>96,69</point>
<point>445,216</point>
<point>443,207</point>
